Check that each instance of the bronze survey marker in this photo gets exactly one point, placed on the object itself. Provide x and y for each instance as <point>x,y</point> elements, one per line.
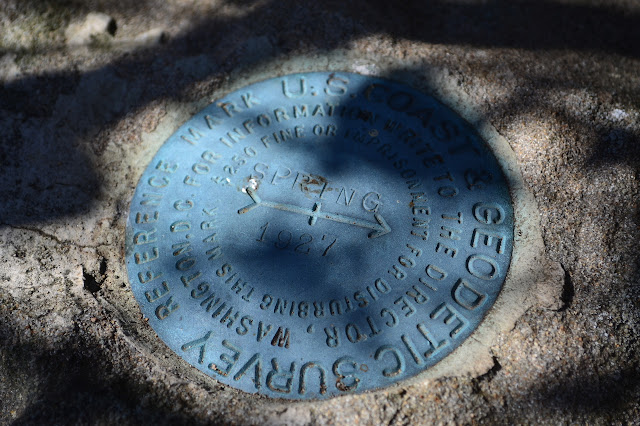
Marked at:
<point>319,234</point>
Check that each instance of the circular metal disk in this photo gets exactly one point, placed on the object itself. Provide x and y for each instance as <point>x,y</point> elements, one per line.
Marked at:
<point>319,234</point>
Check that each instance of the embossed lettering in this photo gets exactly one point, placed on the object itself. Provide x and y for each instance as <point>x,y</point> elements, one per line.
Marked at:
<point>489,213</point>
<point>477,179</point>
<point>181,248</point>
<point>180,226</point>
<point>371,202</point>
<point>157,293</point>
<point>275,377</point>
<point>302,83</point>
<point>186,263</point>
<point>483,267</point>
<point>405,306</point>
<point>198,343</point>
<point>193,136</point>
<point>394,319</point>
<point>302,387</point>
<point>450,315</point>
<point>457,217</point>
<point>165,309</point>
<point>203,288</point>
<point>186,279</point>
<point>411,347</point>
<point>345,370</point>
<point>145,237</point>
<point>158,182</point>
<point>188,180</point>
<point>417,295</point>
<point>467,296</point>
<point>336,85</point>
<point>146,257</point>
<point>245,323</point>
<point>397,355</point>
<point>263,330</point>
<point>434,346</point>
<point>146,218</point>
<point>249,100</point>
<point>281,338</point>
<point>256,363</point>
<point>450,233</point>
<point>151,199</point>
<point>148,276</point>
<point>166,167</point>
<point>229,359</point>
<point>229,108</point>
<point>354,335</point>
<point>332,337</point>
<point>489,238</point>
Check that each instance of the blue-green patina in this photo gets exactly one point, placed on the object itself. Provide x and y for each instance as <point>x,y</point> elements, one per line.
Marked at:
<point>319,234</point>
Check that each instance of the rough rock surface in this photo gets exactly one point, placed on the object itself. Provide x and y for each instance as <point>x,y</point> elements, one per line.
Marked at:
<point>93,26</point>
<point>558,79</point>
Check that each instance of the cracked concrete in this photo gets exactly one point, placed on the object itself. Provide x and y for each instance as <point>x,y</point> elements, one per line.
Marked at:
<point>556,79</point>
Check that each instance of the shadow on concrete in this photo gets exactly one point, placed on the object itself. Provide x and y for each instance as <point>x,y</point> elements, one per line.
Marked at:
<point>63,180</point>
<point>605,395</point>
<point>77,383</point>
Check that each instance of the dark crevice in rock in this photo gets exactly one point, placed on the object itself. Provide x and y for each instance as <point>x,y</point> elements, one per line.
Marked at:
<point>103,266</point>
<point>112,27</point>
<point>568,291</point>
<point>397,412</point>
<point>91,284</point>
<point>477,385</point>
<point>488,376</point>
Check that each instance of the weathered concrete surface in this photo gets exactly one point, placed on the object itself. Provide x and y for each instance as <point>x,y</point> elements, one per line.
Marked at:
<point>558,80</point>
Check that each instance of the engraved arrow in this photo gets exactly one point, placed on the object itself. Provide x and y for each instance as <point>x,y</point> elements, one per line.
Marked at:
<point>378,229</point>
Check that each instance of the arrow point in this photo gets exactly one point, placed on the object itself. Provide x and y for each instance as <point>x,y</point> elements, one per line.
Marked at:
<point>256,201</point>
<point>383,229</point>
<point>254,196</point>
